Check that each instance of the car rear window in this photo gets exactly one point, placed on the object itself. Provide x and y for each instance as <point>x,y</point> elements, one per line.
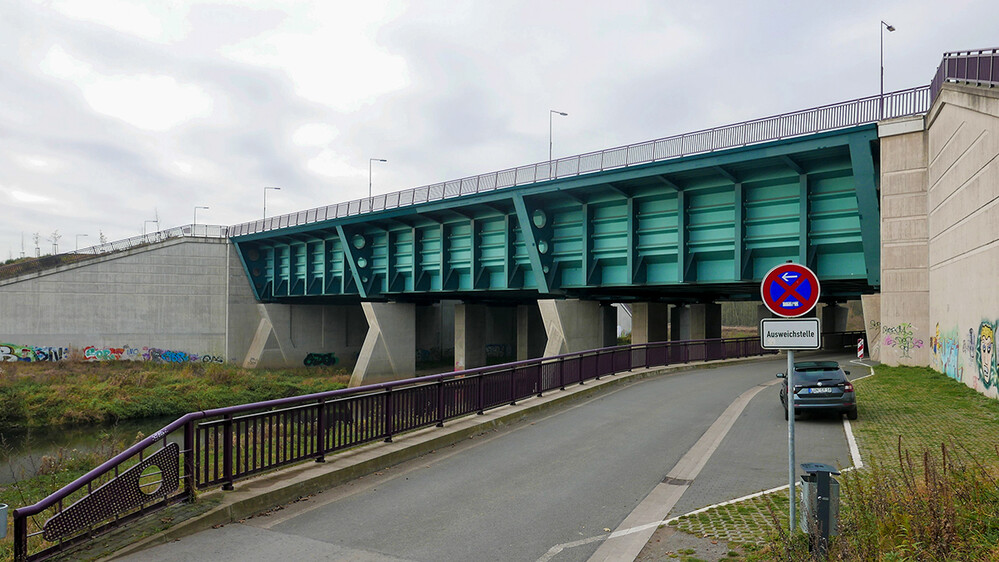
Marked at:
<point>815,375</point>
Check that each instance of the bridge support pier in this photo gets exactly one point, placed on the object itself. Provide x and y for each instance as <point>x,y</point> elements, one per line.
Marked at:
<point>389,349</point>
<point>572,325</point>
<point>649,322</point>
<point>531,335</point>
<point>696,321</point>
<point>469,336</point>
<point>483,334</point>
<point>833,318</point>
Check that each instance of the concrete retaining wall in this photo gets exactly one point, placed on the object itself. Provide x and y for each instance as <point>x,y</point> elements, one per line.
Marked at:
<point>963,234</point>
<point>160,302</point>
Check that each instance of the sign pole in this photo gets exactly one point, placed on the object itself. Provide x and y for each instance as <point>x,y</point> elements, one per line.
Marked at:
<point>790,441</point>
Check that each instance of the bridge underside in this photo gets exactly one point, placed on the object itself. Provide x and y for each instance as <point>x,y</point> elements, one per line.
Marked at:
<point>693,229</point>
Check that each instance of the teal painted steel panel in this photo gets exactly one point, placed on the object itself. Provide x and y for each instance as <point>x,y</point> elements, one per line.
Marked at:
<point>621,228</point>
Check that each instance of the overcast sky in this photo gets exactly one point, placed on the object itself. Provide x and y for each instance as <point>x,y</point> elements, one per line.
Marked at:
<point>114,112</point>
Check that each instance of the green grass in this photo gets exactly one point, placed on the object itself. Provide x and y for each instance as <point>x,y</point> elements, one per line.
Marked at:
<point>929,489</point>
<point>67,393</point>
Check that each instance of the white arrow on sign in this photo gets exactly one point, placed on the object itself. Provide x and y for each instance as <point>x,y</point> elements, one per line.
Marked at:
<point>789,276</point>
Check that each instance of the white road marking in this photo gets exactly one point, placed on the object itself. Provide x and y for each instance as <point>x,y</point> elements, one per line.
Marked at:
<point>696,466</point>
<point>628,540</point>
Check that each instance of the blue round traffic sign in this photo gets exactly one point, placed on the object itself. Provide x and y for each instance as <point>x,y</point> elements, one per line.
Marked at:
<point>790,290</point>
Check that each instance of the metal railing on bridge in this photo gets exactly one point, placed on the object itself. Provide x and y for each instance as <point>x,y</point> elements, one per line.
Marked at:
<point>221,446</point>
<point>977,66</point>
<point>796,123</point>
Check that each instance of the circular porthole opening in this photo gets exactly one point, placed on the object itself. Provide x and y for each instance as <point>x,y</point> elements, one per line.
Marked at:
<point>359,241</point>
<point>362,263</point>
<point>540,218</point>
<point>543,246</point>
<point>151,480</point>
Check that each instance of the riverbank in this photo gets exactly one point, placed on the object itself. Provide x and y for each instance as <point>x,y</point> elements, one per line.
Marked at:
<point>71,393</point>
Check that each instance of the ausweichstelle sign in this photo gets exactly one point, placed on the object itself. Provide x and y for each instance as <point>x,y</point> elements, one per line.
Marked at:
<point>790,333</point>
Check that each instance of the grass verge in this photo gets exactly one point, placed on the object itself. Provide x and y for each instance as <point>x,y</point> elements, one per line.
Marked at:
<point>67,393</point>
<point>930,490</point>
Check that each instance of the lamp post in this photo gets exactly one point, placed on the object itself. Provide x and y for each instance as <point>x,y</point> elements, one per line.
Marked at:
<point>144,223</point>
<point>265,198</point>
<point>552,113</point>
<point>196,216</point>
<point>370,160</point>
<point>881,100</point>
<point>78,241</point>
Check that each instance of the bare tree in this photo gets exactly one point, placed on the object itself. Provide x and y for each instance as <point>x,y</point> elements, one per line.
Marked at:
<point>38,249</point>
<point>54,238</point>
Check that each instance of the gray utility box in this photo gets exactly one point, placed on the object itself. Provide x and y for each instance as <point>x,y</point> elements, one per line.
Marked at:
<point>809,521</point>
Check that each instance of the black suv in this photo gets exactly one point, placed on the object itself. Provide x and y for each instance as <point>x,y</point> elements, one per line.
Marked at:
<point>820,386</point>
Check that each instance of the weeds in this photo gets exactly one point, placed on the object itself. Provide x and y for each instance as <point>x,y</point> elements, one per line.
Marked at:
<point>64,393</point>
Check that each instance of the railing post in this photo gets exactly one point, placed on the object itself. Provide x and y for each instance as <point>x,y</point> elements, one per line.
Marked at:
<point>389,415</point>
<point>20,537</point>
<point>227,452</point>
<point>541,368</point>
<point>321,431</point>
<point>190,483</point>
<point>561,373</point>
<point>513,387</point>
<point>480,376</point>
<point>440,402</point>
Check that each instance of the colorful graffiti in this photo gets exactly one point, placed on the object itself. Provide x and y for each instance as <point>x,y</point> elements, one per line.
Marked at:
<point>945,353</point>
<point>985,356</point>
<point>11,352</point>
<point>316,359</point>
<point>901,338</point>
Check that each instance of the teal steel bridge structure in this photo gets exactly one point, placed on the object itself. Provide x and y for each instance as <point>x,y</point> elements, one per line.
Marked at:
<point>693,218</point>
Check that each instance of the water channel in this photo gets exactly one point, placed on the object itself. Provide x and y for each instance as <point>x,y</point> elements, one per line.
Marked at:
<point>21,450</point>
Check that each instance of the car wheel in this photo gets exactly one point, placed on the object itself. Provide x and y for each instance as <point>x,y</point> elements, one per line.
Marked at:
<point>851,414</point>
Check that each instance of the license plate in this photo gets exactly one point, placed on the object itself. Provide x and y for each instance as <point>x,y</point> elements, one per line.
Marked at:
<point>826,390</point>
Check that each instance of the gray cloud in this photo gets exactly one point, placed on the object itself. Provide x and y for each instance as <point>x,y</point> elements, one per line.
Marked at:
<point>471,86</point>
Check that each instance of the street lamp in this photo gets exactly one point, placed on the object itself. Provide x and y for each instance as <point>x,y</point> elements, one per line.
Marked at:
<point>552,113</point>
<point>78,241</point>
<point>370,160</point>
<point>881,104</point>
<point>144,223</point>
<point>265,198</point>
<point>196,217</point>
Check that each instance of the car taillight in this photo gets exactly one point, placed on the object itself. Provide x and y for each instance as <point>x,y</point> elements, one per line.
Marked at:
<point>848,387</point>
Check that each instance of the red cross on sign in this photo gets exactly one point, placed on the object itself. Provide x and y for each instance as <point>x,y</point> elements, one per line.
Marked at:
<point>790,290</point>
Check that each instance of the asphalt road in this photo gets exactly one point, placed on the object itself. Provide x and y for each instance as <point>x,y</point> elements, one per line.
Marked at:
<point>516,493</point>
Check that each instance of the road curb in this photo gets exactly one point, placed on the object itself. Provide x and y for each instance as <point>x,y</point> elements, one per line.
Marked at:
<point>262,493</point>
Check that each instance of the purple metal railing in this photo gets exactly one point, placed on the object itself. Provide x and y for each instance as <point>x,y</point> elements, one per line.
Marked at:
<point>815,120</point>
<point>220,446</point>
<point>977,66</point>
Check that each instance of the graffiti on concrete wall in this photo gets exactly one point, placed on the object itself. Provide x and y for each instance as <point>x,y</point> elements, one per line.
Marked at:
<point>985,356</point>
<point>968,356</point>
<point>902,338</point>
<point>498,350</point>
<point>945,353</point>
<point>874,335</point>
<point>12,352</point>
<point>320,359</point>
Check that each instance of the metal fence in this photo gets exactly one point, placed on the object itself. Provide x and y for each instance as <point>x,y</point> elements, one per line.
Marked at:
<point>815,120</point>
<point>977,66</point>
<point>221,446</point>
<point>48,262</point>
